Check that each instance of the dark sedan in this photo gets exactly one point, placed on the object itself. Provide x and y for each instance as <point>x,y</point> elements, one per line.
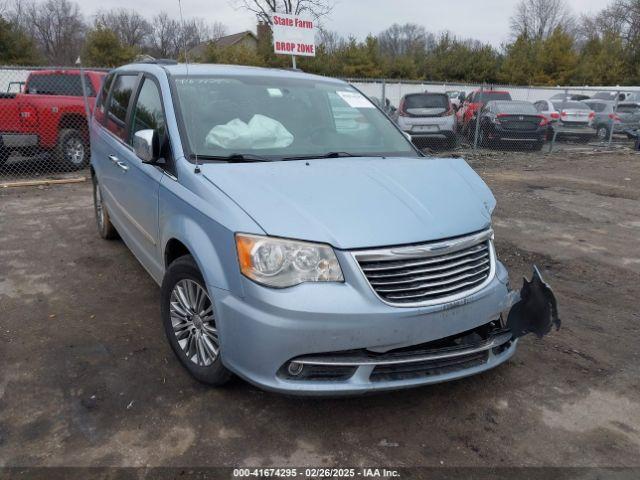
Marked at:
<point>512,122</point>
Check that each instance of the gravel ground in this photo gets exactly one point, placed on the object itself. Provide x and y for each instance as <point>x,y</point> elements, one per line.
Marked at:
<point>87,378</point>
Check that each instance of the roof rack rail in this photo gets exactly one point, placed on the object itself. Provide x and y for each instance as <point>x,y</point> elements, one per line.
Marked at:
<point>160,61</point>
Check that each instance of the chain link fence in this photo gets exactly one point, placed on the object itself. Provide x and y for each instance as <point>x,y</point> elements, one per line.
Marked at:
<point>456,116</point>
<point>43,120</point>
<point>44,111</point>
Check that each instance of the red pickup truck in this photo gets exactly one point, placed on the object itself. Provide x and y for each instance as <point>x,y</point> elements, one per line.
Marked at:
<point>49,115</point>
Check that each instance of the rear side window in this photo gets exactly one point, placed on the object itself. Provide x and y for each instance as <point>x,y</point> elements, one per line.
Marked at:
<point>66,84</point>
<point>147,112</point>
<point>425,100</point>
<point>121,93</point>
<point>102,98</point>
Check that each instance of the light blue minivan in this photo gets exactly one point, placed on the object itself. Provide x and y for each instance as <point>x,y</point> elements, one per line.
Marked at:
<point>299,238</point>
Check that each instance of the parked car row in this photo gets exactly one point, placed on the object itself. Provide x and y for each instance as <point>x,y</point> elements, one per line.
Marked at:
<point>496,119</point>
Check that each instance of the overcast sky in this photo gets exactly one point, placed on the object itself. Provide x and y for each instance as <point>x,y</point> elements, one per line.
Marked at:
<point>485,20</point>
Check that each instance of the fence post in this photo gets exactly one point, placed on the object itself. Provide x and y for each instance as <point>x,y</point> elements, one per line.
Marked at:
<point>615,110</point>
<point>477,128</point>
<point>383,100</point>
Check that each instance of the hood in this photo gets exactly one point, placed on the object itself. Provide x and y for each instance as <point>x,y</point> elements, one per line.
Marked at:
<point>359,202</point>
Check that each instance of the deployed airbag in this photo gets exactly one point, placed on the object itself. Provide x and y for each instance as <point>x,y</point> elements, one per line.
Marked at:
<point>260,133</point>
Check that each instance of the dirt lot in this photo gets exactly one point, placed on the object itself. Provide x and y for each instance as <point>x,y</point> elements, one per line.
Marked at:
<point>87,378</point>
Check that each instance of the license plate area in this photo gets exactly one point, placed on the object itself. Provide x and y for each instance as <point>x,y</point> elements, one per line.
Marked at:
<point>425,128</point>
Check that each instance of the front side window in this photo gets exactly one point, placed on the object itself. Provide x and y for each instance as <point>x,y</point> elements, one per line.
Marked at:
<point>279,117</point>
<point>147,112</point>
<point>119,103</point>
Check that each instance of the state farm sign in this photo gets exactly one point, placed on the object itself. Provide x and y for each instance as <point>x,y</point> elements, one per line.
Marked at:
<point>293,35</point>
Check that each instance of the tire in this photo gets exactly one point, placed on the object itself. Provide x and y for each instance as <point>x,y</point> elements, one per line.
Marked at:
<point>198,347</point>
<point>72,151</point>
<point>103,221</point>
<point>4,156</point>
<point>602,133</point>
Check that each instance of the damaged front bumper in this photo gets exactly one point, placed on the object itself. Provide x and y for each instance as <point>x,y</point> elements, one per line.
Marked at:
<point>488,323</point>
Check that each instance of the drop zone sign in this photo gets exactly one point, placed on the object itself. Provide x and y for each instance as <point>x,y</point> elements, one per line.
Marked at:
<point>293,35</point>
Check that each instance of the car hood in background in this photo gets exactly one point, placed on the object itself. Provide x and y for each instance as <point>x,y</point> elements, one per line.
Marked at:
<point>359,202</point>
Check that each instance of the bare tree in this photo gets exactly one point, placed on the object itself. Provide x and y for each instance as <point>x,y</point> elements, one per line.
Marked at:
<point>57,27</point>
<point>164,35</point>
<point>408,39</point>
<point>539,18</point>
<point>331,41</point>
<point>622,18</point>
<point>217,30</point>
<point>169,37</point>
<point>131,28</point>
<point>264,9</point>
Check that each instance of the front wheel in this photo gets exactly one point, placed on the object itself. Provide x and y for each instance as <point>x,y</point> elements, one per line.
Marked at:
<point>190,324</point>
<point>72,151</point>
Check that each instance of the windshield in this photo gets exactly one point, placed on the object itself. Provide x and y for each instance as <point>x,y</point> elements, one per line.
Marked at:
<point>484,97</point>
<point>573,106</point>
<point>59,84</point>
<point>597,107</point>
<point>605,95</point>
<point>426,100</point>
<point>628,108</point>
<point>515,107</point>
<point>277,117</point>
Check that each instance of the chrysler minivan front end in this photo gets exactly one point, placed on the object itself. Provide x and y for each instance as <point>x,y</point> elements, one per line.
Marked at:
<point>300,240</point>
<point>391,318</point>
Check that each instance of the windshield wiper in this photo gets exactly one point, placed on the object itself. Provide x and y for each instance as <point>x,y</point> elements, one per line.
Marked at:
<point>324,155</point>
<point>234,157</point>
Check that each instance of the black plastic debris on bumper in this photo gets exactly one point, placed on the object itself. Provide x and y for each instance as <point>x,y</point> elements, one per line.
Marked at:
<point>537,310</point>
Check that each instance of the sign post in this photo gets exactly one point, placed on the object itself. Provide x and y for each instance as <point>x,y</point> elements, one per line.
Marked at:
<point>293,35</point>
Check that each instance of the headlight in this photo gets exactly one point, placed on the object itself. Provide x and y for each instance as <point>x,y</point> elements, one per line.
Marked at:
<point>275,262</point>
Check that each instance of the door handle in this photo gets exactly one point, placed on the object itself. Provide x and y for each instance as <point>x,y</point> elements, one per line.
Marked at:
<point>122,165</point>
<point>113,158</point>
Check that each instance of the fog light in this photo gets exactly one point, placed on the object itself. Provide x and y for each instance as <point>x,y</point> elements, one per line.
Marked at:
<point>295,368</point>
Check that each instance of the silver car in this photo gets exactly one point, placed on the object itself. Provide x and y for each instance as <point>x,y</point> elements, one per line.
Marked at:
<point>568,119</point>
<point>427,117</point>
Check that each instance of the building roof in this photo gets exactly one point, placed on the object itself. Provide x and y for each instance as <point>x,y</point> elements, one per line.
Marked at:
<point>223,42</point>
<point>230,40</point>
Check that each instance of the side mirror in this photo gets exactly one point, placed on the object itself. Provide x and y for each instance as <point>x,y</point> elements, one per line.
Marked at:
<point>146,145</point>
<point>408,135</point>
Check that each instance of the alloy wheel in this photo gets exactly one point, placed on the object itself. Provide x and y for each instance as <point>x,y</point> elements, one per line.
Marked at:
<point>193,322</point>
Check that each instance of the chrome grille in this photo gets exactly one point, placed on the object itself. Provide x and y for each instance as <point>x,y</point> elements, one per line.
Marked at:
<point>429,273</point>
